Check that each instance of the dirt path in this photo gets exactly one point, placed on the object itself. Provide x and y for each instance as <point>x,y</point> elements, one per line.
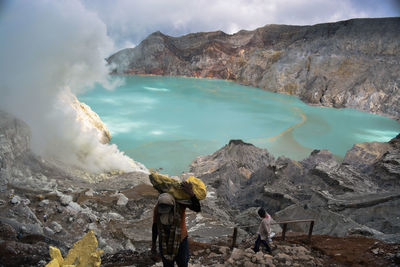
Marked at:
<point>353,251</point>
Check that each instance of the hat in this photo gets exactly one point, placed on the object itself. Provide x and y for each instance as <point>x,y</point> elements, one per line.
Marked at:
<point>166,198</point>
<point>166,204</point>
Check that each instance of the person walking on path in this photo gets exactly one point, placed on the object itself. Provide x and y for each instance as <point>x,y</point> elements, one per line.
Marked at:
<point>264,231</point>
<point>169,224</point>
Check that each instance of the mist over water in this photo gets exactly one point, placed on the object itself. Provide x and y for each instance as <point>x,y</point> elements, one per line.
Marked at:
<point>166,122</point>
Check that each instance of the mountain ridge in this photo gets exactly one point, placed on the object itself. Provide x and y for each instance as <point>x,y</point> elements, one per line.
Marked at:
<point>351,63</point>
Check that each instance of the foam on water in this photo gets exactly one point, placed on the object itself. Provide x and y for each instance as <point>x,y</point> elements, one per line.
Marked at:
<point>156,89</point>
<point>377,135</point>
<point>169,128</point>
<point>119,125</point>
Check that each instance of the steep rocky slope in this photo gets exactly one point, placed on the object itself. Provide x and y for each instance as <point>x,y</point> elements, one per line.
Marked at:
<point>359,195</point>
<point>352,63</point>
<point>38,198</point>
<point>44,202</point>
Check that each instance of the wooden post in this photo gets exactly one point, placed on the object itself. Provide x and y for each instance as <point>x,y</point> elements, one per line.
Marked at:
<point>284,227</point>
<point>234,237</point>
<point>310,231</point>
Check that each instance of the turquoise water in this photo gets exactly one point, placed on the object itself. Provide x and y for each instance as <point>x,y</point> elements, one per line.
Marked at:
<point>166,122</point>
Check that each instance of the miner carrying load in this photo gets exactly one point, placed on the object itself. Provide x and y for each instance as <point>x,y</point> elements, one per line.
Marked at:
<point>169,219</point>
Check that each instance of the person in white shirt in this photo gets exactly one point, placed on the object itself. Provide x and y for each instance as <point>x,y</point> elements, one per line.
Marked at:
<point>263,231</point>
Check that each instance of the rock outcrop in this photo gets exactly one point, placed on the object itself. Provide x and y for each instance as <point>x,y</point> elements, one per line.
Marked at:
<point>352,63</point>
<point>89,119</point>
<point>341,197</point>
<point>228,169</point>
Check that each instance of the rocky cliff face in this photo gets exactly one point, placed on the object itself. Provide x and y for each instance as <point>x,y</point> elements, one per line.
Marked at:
<point>343,198</point>
<point>90,120</point>
<point>352,63</point>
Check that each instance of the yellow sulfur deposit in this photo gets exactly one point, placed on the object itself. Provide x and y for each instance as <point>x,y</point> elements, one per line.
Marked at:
<point>167,184</point>
<point>83,254</point>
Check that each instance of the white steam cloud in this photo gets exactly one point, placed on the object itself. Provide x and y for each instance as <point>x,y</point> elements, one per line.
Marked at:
<point>48,49</point>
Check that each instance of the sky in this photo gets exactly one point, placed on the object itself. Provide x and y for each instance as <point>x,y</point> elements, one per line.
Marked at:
<point>129,21</point>
<point>52,49</point>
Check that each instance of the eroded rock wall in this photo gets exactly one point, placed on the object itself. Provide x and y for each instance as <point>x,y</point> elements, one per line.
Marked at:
<point>355,196</point>
<point>352,63</point>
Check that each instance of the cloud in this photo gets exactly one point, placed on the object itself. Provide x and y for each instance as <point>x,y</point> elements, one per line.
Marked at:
<point>48,50</point>
<point>133,20</point>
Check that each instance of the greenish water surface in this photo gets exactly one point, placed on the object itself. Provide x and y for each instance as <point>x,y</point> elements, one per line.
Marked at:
<point>166,122</point>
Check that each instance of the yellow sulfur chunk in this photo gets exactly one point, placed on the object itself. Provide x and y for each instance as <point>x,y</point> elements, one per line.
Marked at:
<point>55,254</point>
<point>83,254</point>
<point>199,188</point>
<point>53,263</point>
<point>166,184</point>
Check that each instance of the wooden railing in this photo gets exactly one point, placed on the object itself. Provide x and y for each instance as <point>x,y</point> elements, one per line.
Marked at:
<point>284,229</point>
<point>285,223</point>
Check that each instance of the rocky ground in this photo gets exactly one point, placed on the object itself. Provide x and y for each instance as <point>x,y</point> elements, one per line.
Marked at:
<point>358,195</point>
<point>296,251</point>
<point>46,203</point>
<point>353,63</point>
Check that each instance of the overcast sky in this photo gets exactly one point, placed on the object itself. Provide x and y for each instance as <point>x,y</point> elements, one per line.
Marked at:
<point>129,21</point>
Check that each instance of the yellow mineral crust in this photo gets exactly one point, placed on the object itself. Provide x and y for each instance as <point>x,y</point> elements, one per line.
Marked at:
<point>83,254</point>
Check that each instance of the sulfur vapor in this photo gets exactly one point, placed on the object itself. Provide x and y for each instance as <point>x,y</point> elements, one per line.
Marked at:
<point>49,51</point>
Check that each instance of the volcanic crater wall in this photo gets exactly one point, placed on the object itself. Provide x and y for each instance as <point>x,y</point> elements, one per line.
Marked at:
<point>352,63</point>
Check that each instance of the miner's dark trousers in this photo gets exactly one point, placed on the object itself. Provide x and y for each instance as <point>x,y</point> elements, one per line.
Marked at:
<point>182,259</point>
<point>258,242</point>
